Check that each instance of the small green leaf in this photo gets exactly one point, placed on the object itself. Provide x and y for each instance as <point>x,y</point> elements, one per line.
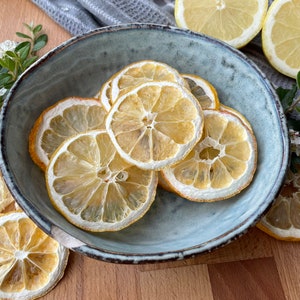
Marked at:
<point>37,29</point>
<point>28,62</point>
<point>38,46</point>
<point>298,80</point>
<point>10,64</point>
<point>28,26</point>
<point>287,96</point>
<point>24,51</point>
<point>9,85</point>
<point>2,69</point>
<point>4,62</point>
<point>11,54</point>
<point>23,35</point>
<point>40,42</point>
<point>5,78</point>
<point>281,92</point>
<point>22,45</point>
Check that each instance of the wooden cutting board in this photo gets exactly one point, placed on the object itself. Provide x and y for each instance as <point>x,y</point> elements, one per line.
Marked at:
<point>254,266</point>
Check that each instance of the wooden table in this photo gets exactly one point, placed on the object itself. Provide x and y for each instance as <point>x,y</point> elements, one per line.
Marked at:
<point>255,266</point>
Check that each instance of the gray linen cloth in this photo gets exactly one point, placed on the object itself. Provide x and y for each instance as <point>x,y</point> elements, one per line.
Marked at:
<point>80,16</point>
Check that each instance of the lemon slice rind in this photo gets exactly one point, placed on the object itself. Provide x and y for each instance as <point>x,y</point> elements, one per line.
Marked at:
<point>21,255</point>
<point>208,98</point>
<point>183,149</point>
<point>211,194</point>
<point>166,73</point>
<point>226,15</point>
<point>92,177</point>
<point>287,36</point>
<point>43,124</point>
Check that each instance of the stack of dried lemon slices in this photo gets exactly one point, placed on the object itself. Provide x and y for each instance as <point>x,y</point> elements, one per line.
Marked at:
<point>148,124</point>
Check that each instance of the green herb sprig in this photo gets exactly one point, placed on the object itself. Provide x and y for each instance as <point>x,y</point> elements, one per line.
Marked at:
<point>14,63</point>
<point>290,100</point>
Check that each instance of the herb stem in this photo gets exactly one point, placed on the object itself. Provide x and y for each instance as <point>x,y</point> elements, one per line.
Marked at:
<point>17,59</point>
<point>292,107</point>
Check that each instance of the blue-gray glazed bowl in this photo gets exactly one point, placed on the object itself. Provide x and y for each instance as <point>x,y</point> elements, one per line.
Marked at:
<point>174,228</point>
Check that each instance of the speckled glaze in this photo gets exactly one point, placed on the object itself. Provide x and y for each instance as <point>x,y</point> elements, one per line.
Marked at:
<point>174,228</point>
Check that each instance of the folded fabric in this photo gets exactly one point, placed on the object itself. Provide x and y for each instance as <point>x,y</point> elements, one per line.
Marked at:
<point>70,14</point>
<point>112,12</point>
<point>80,16</point>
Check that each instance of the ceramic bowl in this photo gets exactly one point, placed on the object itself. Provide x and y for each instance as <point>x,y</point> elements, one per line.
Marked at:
<point>173,228</point>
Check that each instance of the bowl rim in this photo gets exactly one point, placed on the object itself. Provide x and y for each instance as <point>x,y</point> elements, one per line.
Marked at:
<point>117,257</point>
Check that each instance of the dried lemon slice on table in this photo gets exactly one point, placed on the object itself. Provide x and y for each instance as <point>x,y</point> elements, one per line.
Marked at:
<point>282,219</point>
<point>32,263</point>
<point>140,72</point>
<point>235,22</point>
<point>221,164</point>
<point>204,91</point>
<point>94,188</point>
<point>155,124</point>
<point>5,196</point>
<point>65,118</point>
<point>281,36</point>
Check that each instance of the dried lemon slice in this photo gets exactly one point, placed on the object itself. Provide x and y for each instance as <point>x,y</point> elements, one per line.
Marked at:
<point>282,219</point>
<point>220,165</point>
<point>204,91</point>
<point>140,72</point>
<point>233,21</point>
<point>233,111</point>
<point>104,95</point>
<point>94,188</point>
<point>60,121</point>
<point>32,263</point>
<point>281,36</point>
<point>5,196</point>
<point>155,124</point>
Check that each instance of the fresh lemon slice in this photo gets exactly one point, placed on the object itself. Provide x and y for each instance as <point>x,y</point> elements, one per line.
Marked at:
<point>282,219</point>
<point>60,121</point>
<point>94,188</point>
<point>5,196</point>
<point>281,36</point>
<point>155,124</point>
<point>32,263</point>
<point>140,72</point>
<point>235,22</point>
<point>204,91</point>
<point>220,165</point>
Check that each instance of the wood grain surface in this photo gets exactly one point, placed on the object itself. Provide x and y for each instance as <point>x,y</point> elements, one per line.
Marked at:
<point>255,266</point>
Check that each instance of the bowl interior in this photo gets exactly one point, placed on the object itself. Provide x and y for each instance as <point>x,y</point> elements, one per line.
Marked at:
<point>174,227</point>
